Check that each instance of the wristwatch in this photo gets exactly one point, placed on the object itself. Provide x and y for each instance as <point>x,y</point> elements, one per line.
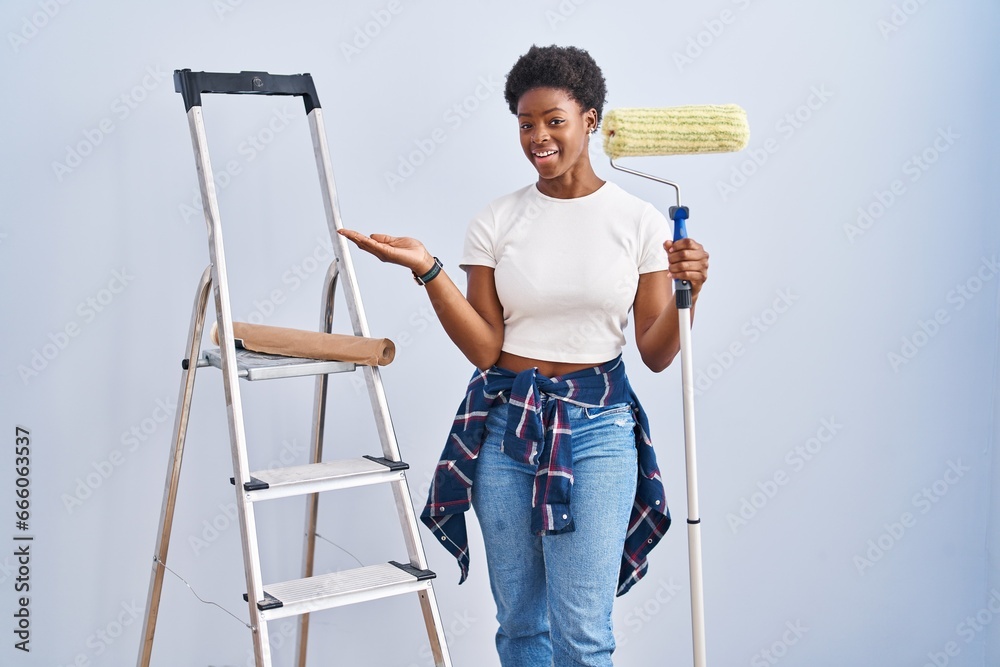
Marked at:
<point>430,275</point>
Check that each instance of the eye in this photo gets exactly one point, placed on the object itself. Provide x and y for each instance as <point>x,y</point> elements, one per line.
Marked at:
<point>557,121</point>
<point>525,126</point>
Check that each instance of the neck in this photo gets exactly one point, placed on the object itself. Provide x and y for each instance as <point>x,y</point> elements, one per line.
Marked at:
<point>570,185</point>
<point>579,181</point>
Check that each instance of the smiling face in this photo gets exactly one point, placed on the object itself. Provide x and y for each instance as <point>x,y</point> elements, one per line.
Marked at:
<point>555,133</point>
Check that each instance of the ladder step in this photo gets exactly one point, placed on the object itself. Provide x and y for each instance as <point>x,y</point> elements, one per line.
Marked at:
<point>260,366</point>
<point>336,589</point>
<point>324,476</point>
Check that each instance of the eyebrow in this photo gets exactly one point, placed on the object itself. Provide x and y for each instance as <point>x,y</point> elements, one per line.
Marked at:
<point>547,111</point>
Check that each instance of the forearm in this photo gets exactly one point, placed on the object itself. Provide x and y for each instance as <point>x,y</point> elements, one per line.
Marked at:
<point>474,323</point>
<point>477,339</point>
<point>657,332</point>
<point>660,343</point>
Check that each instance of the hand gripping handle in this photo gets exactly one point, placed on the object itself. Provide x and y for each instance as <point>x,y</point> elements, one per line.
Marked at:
<point>682,288</point>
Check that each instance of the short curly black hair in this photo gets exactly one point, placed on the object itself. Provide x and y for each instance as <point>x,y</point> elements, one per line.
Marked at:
<point>566,67</point>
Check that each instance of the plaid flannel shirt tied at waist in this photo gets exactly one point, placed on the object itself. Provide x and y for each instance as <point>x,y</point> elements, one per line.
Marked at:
<point>537,433</point>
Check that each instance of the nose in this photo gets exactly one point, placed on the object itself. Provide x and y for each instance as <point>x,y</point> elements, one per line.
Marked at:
<point>539,135</point>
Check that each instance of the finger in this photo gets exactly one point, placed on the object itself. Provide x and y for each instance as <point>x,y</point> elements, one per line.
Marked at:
<point>357,237</point>
<point>686,249</point>
<point>376,246</point>
<point>678,267</point>
<point>688,270</point>
<point>690,255</point>
<point>368,244</point>
<point>694,275</point>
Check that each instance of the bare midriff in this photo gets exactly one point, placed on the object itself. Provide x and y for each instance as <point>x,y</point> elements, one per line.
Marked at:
<point>515,363</point>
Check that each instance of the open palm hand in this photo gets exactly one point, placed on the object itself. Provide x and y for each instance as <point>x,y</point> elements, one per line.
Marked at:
<point>400,250</point>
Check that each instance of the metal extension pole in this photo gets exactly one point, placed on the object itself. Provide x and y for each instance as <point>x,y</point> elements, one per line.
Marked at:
<point>694,516</point>
<point>682,291</point>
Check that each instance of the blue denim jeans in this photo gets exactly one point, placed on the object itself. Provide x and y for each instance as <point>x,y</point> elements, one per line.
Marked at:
<point>554,594</point>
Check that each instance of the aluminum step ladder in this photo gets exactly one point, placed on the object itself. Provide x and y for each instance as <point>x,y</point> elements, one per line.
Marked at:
<point>267,602</point>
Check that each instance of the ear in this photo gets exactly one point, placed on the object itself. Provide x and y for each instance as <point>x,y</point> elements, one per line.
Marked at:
<point>590,120</point>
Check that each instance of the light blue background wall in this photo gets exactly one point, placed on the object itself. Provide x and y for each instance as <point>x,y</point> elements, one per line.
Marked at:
<point>868,343</point>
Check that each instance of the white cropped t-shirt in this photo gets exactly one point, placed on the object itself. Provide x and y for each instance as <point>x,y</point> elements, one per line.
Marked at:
<point>567,270</point>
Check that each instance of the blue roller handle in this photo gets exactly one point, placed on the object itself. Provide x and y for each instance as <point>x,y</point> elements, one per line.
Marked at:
<point>679,214</point>
<point>682,288</point>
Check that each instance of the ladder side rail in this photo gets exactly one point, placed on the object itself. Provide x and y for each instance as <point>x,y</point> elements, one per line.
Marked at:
<point>331,205</point>
<point>428,600</point>
<point>316,453</point>
<point>352,294</point>
<point>234,406</point>
<point>435,628</point>
<point>373,380</point>
<point>174,469</point>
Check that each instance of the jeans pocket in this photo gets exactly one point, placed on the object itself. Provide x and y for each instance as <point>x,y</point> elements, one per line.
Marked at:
<point>608,410</point>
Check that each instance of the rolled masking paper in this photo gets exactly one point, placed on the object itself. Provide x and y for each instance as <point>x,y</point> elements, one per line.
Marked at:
<point>686,130</point>
<point>311,344</point>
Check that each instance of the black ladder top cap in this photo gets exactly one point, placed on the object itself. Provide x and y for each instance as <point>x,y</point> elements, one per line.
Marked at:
<point>192,84</point>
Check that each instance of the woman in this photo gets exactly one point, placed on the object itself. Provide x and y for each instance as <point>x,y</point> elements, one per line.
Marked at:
<point>551,446</point>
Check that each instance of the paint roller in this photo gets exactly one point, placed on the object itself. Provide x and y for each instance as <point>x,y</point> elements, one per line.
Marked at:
<point>687,130</point>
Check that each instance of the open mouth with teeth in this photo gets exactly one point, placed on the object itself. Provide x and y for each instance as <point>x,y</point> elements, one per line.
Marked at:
<point>541,155</point>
